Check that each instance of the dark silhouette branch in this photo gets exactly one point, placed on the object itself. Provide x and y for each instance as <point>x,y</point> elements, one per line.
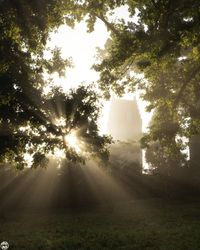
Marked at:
<point>185,84</point>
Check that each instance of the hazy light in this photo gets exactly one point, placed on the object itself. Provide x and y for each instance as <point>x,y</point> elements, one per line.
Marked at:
<point>72,141</point>
<point>182,58</point>
<point>81,47</point>
<point>61,122</point>
<point>59,153</point>
<point>28,159</point>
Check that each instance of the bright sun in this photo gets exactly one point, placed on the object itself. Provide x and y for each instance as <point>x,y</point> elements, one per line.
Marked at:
<point>72,141</point>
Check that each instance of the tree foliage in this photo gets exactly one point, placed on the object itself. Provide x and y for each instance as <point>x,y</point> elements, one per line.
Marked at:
<point>160,41</point>
<point>27,117</point>
<point>162,44</point>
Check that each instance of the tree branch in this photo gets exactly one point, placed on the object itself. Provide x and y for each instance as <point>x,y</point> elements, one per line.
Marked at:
<point>108,25</point>
<point>182,89</point>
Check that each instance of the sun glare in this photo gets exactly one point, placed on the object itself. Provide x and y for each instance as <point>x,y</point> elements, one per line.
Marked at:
<point>28,159</point>
<point>72,141</point>
<point>59,153</point>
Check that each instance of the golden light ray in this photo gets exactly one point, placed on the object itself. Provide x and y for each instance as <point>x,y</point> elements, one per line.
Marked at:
<point>99,179</point>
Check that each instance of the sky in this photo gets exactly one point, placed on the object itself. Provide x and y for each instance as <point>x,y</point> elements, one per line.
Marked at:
<point>81,47</point>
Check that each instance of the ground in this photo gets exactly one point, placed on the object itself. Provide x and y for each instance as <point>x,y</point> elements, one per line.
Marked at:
<point>139,224</point>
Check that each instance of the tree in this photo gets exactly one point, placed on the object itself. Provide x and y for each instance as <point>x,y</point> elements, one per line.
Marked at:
<point>163,45</point>
<point>164,148</point>
<point>26,115</point>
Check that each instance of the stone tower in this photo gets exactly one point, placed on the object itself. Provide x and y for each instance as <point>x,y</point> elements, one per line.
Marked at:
<point>124,122</point>
<point>125,126</point>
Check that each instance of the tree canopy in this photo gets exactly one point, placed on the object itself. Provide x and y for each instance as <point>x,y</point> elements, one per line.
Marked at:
<point>161,43</point>
<point>28,117</point>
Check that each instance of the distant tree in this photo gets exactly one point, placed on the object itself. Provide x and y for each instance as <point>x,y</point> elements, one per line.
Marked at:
<point>165,144</point>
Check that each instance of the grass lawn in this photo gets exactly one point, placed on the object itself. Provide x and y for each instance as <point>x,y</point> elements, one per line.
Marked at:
<point>139,224</point>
